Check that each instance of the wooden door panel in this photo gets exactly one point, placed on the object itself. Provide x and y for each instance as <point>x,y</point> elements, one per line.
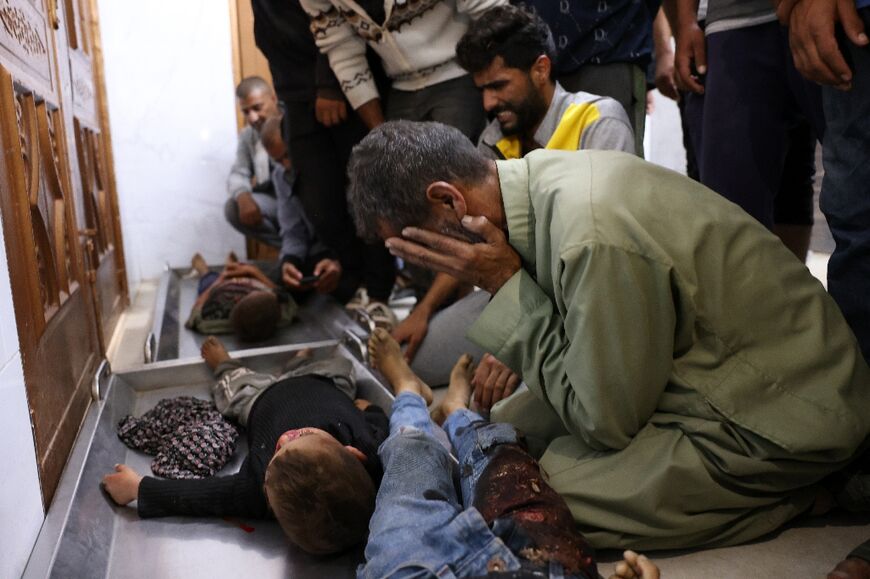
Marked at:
<point>103,249</point>
<point>25,45</point>
<point>54,315</point>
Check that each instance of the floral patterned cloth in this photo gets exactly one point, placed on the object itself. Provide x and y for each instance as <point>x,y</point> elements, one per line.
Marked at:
<point>188,437</point>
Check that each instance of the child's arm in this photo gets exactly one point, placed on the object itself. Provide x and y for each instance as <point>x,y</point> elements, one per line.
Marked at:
<point>234,495</point>
<point>123,485</point>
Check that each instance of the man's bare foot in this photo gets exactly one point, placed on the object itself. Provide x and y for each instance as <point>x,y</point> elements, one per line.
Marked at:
<point>232,257</point>
<point>213,352</point>
<point>197,262</point>
<point>304,353</point>
<point>458,392</point>
<point>386,355</point>
<point>634,566</point>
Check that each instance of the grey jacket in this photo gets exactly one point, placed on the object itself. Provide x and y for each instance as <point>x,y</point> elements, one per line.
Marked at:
<point>252,161</point>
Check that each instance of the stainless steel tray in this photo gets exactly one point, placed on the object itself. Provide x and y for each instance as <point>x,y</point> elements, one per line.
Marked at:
<point>86,535</point>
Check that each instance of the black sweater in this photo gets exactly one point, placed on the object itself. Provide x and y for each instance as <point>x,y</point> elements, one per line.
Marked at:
<point>307,401</point>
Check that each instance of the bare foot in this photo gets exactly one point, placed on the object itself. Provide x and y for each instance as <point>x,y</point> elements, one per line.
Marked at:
<point>458,392</point>
<point>304,353</point>
<point>232,257</point>
<point>851,568</point>
<point>197,262</point>
<point>386,355</point>
<point>213,352</point>
<point>634,566</point>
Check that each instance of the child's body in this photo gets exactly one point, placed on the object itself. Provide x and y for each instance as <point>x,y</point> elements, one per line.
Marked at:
<point>239,299</point>
<point>303,417</point>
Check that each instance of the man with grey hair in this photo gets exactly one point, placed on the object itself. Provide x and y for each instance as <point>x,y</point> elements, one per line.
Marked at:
<point>678,404</point>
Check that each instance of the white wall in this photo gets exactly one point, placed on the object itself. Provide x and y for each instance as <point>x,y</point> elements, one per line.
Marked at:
<point>663,135</point>
<point>20,499</point>
<point>170,88</point>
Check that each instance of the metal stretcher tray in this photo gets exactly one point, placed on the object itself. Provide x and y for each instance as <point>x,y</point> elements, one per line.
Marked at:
<point>319,318</point>
<point>86,535</point>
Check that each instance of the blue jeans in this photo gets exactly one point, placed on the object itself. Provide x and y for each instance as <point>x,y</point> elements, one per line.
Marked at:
<point>420,527</point>
<point>845,198</point>
<point>206,281</point>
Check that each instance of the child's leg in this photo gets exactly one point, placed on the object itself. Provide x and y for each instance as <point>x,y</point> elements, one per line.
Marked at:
<point>237,387</point>
<point>504,483</point>
<point>206,277</point>
<point>418,524</point>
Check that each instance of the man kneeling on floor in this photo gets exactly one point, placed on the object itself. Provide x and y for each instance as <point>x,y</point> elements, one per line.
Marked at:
<point>312,462</point>
<point>507,520</point>
<point>691,383</point>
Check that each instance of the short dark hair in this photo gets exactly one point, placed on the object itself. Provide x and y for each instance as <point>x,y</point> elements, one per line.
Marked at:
<point>255,317</point>
<point>323,499</point>
<point>271,130</point>
<point>251,84</point>
<point>511,32</point>
<point>391,168</point>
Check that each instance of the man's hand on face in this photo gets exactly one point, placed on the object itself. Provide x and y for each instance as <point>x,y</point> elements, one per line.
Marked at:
<point>488,264</point>
<point>249,211</point>
<point>492,381</point>
<point>329,273</point>
<point>812,25</point>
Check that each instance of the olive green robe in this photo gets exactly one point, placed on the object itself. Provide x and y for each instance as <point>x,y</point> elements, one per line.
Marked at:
<point>690,379</point>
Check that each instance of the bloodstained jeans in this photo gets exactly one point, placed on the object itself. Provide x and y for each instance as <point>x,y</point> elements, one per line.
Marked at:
<point>507,519</point>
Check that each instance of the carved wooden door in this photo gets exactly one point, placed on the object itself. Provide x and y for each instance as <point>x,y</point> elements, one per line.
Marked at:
<point>95,185</point>
<point>45,224</point>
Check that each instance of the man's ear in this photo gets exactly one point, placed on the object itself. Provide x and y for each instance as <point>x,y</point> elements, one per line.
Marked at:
<point>540,71</point>
<point>446,196</point>
<point>357,453</point>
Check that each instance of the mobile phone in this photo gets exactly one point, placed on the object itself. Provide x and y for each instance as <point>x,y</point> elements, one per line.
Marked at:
<point>309,279</point>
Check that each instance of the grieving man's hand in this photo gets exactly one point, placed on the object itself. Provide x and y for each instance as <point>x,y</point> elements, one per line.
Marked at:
<point>487,264</point>
<point>492,381</point>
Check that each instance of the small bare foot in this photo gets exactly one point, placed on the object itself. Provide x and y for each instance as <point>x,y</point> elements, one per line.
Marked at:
<point>634,566</point>
<point>386,355</point>
<point>197,262</point>
<point>458,392</point>
<point>304,353</point>
<point>232,257</point>
<point>213,352</point>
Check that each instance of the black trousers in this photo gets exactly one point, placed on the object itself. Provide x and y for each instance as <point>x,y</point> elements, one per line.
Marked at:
<point>320,155</point>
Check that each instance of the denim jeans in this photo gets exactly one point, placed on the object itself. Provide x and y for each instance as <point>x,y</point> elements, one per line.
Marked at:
<point>845,198</point>
<point>421,527</point>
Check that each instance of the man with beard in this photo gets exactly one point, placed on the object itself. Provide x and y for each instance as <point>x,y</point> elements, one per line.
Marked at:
<point>509,52</point>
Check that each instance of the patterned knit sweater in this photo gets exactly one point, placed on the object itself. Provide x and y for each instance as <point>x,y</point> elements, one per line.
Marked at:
<point>416,41</point>
<point>307,401</point>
